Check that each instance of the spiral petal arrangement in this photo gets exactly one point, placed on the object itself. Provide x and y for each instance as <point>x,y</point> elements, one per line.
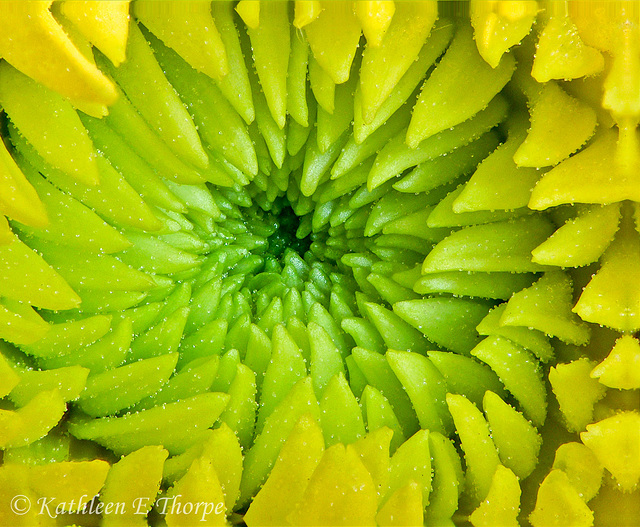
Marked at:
<point>320,263</point>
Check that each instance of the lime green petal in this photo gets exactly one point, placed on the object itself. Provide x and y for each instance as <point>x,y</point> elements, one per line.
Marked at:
<point>33,421</point>
<point>466,376</point>
<point>480,453</point>
<point>270,45</point>
<point>398,49</point>
<point>260,458</point>
<point>34,108</point>
<point>69,381</point>
<point>447,483</point>
<point>517,440</point>
<point>375,18</point>
<point>183,424</point>
<point>461,71</point>
<point>546,306</point>
<point>531,339</point>
<point>161,106</point>
<point>67,481</point>
<point>108,392</point>
<point>340,414</point>
<point>379,415</point>
<point>519,372</point>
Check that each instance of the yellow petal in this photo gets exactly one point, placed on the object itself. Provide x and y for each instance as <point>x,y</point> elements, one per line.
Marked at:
<point>560,125</point>
<point>576,392</point>
<point>190,30</point>
<point>340,492</point>
<point>6,234</point>
<point>249,11</point>
<point>559,504</point>
<point>33,421</point>
<point>373,450</point>
<point>502,504</point>
<point>68,481</point>
<point>200,485</point>
<point>134,480</point>
<point>18,199</point>
<point>104,24</point>
<point>288,480</point>
<point>375,17</point>
<point>306,12</point>
<point>561,53</point>
<point>334,37</point>
<point>591,176</point>
<point>8,378</point>
<point>582,468</point>
<point>403,509</point>
<point>20,324</point>
<point>582,240</point>
<point>621,369</point>
<point>33,42</point>
<point>612,297</point>
<point>616,443</point>
<point>500,25</point>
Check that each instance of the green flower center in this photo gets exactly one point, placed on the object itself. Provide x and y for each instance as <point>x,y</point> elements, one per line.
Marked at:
<point>285,236</point>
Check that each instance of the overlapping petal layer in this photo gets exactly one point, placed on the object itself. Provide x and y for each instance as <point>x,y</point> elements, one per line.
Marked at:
<point>374,263</point>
